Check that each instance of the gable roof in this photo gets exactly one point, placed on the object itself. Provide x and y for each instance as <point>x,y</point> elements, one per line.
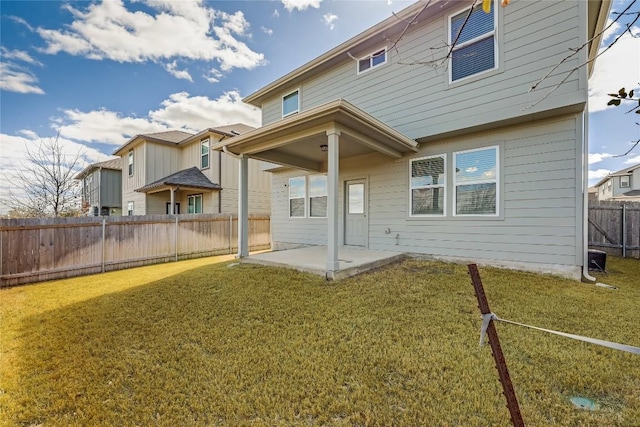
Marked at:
<point>626,171</point>
<point>381,33</point>
<point>179,137</point>
<point>114,164</point>
<point>190,178</point>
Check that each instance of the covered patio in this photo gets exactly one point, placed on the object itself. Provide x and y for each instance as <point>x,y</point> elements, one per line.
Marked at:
<point>315,140</point>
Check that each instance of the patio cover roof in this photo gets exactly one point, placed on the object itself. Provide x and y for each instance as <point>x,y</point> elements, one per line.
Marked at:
<point>296,141</point>
<point>191,178</point>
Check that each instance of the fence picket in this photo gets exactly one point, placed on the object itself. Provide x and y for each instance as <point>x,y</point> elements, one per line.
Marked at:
<point>39,249</point>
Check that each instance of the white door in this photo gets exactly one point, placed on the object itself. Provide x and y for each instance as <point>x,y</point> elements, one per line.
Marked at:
<point>355,224</point>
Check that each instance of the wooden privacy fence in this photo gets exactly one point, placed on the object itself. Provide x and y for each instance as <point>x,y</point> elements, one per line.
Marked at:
<point>37,249</point>
<point>614,227</point>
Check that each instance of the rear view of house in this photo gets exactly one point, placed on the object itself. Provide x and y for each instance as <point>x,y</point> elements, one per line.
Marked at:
<point>175,172</point>
<point>420,135</point>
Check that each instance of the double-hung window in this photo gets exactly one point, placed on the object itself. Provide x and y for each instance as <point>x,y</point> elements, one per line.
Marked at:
<point>297,196</point>
<point>473,37</point>
<point>204,153</point>
<point>291,103</point>
<point>318,196</point>
<point>476,181</point>
<point>129,208</point>
<point>194,204</point>
<point>130,162</point>
<point>625,181</point>
<point>372,60</point>
<point>428,181</point>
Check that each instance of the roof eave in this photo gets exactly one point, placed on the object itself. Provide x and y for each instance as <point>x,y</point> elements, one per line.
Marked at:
<point>399,18</point>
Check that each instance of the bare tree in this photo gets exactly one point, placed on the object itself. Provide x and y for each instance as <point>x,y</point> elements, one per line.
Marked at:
<point>44,186</point>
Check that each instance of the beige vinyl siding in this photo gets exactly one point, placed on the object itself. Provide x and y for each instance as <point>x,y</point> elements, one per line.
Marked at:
<point>417,99</point>
<point>130,183</point>
<point>161,161</point>
<point>539,207</point>
<point>259,186</point>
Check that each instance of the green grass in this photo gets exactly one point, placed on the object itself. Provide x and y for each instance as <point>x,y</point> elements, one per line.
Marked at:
<point>201,343</point>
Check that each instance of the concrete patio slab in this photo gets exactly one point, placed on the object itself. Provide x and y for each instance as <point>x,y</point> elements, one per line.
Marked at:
<point>313,259</point>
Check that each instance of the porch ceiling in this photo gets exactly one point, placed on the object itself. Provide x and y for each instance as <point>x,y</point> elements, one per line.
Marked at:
<point>296,141</point>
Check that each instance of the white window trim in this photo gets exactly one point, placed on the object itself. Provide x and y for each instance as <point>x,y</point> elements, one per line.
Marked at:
<point>304,198</point>
<point>130,163</point>
<point>308,182</point>
<point>208,142</point>
<point>194,196</point>
<point>132,205</point>
<point>496,180</point>
<point>628,183</point>
<point>282,103</point>
<point>443,186</point>
<point>370,57</point>
<point>493,33</point>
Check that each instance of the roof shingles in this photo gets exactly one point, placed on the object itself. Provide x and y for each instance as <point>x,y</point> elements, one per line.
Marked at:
<point>191,178</point>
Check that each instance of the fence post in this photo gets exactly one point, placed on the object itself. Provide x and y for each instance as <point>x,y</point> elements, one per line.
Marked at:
<point>104,244</point>
<point>176,237</point>
<point>624,231</point>
<point>230,231</point>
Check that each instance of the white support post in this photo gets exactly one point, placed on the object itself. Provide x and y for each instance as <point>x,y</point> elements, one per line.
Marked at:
<point>333,137</point>
<point>243,208</point>
<point>172,209</point>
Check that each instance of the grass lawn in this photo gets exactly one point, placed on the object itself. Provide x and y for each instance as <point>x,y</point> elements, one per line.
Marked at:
<point>201,343</point>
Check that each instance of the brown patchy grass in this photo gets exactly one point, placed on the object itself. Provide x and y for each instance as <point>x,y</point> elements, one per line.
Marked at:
<point>199,343</point>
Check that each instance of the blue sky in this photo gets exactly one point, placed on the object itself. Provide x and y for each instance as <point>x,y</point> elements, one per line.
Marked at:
<point>103,71</point>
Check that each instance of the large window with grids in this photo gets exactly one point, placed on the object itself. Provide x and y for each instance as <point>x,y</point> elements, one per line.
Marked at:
<point>428,184</point>
<point>476,183</point>
<point>472,33</point>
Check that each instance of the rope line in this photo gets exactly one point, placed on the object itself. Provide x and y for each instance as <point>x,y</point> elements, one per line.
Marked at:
<point>486,318</point>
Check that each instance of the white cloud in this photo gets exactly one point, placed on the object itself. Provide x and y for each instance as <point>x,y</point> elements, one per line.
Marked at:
<point>179,111</point>
<point>616,68</point>
<point>598,157</point>
<point>330,20</point>
<point>178,29</point>
<point>598,174</point>
<point>276,13</point>
<point>172,68</point>
<point>471,169</point>
<point>213,75</point>
<point>14,76</point>
<point>290,5</point>
<point>182,110</point>
<point>267,31</point>
<point>633,160</point>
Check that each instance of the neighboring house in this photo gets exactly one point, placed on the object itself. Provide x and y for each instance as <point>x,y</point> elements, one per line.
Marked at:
<point>621,185</point>
<point>383,148</point>
<point>176,172</point>
<point>102,188</point>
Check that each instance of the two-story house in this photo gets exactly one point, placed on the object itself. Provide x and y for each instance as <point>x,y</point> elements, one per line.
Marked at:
<point>421,135</point>
<point>621,185</point>
<point>176,172</point>
<point>101,185</point>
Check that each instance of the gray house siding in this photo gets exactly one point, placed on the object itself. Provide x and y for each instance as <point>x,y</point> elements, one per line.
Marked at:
<point>111,191</point>
<point>539,217</point>
<point>418,100</point>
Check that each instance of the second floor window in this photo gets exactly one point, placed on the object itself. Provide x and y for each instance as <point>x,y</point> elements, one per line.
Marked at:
<point>204,153</point>
<point>130,162</point>
<point>372,60</point>
<point>474,41</point>
<point>625,181</point>
<point>291,103</point>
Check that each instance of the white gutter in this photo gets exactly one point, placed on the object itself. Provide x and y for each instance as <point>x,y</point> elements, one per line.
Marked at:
<point>234,155</point>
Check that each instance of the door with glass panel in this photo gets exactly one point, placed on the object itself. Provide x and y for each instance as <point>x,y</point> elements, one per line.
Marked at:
<point>355,224</point>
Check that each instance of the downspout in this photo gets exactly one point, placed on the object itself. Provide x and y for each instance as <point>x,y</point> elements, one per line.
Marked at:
<point>100,191</point>
<point>220,181</point>
<point>585,199</point>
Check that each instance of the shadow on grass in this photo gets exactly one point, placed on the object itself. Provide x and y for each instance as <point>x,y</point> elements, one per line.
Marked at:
<point>265,346</point>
